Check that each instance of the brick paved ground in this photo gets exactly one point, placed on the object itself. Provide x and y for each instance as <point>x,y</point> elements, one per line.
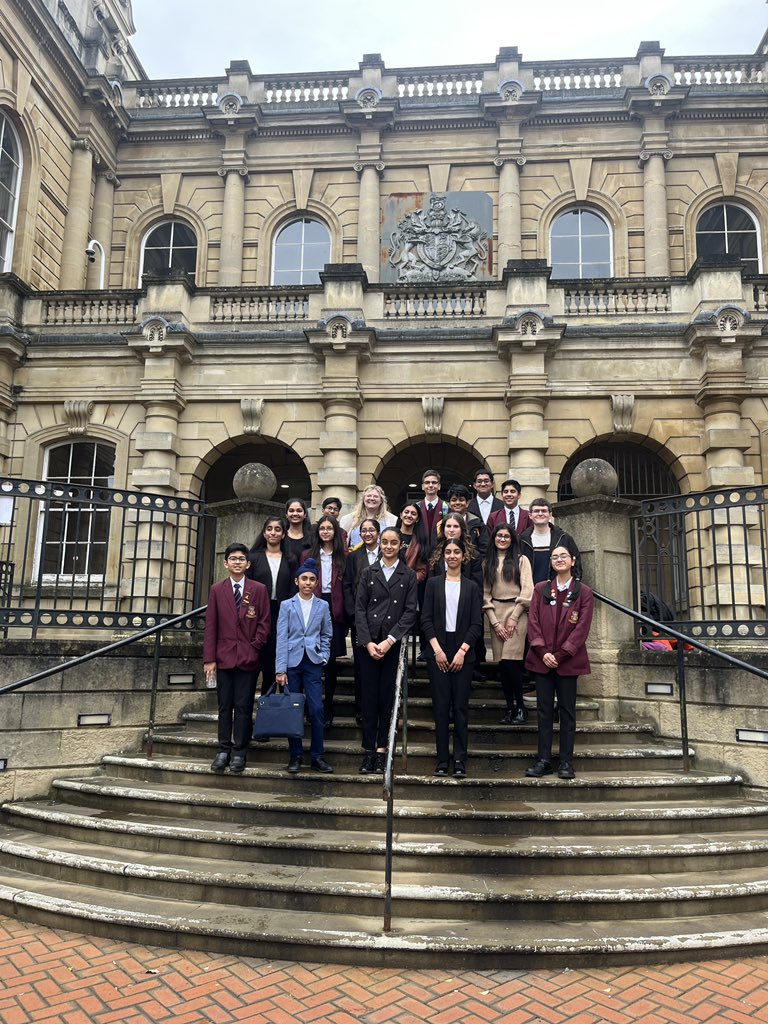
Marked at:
<point>56,977</point>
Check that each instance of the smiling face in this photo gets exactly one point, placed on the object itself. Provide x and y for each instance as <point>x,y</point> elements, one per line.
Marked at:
<point>453,555</point>
<point>510,496</point>
<point>372,500</point>
<point>295,513</point>
<point>369,534</point>
<point>562,561</point>
<point>273,533</point>
<point>430,485</point>
<point>305,581</point>
<point>326,532</point>
<point>409,516</point>
<point>502,540</point>
<point>390,547</point>
<point>540,515</point>
<point>237,565</point>
<point>483,485</point>
<point>452,529</point>
<point>332,509</point>
<point>458,503</point>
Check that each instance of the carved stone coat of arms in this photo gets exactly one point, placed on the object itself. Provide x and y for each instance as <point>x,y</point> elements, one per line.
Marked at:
<point>436,244</point>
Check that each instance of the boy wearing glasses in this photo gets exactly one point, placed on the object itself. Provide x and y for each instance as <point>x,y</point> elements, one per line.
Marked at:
<point>237,626</point>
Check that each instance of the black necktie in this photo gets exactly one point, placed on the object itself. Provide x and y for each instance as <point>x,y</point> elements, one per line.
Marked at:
<point>238,596</point>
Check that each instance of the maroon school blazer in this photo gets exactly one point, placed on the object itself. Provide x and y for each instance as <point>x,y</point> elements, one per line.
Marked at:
<point>572,629</point>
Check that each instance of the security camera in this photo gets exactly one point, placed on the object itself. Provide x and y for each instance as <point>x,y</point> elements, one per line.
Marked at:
<point>90,252</point>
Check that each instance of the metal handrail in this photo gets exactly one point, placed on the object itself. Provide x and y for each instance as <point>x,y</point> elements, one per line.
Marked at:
<point>401,694</point>
<point>682,638</point>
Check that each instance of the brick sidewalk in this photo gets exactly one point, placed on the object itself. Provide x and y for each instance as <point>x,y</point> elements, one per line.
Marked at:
<point>55,977</point>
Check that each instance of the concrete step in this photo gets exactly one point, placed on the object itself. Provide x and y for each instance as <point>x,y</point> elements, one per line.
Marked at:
<point>248,930</point>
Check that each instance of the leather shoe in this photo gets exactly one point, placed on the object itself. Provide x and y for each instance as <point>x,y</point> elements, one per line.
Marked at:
<point>294,765</point>
<point>380,762</point>
<point>508,718</point>
<point>478,677</point>
<point>328,721</point>
<point>321,765</point>
<point>368,767</point>
<point>565,771</point>
<point>540,769</point>
<point>237,765</point>
<point>442,768</point>
<point>459,771</point>
<point>220,762</point>
<point>520,717</point>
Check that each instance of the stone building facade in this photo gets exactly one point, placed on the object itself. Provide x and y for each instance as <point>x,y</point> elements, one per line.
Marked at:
<point>353,275</point>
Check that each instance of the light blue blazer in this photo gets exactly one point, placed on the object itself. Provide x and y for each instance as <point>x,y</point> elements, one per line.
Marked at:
<point>293,642</point>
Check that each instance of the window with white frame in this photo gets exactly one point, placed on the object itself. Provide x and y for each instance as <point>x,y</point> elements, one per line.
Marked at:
<point>727,228</point>
<point>10,181</point>
<point>580,245</point>
<point>73,532</point>
<point>301,250</point>
<point>171,245</point>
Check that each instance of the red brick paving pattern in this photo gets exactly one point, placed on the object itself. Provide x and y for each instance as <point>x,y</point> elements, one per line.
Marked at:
<point>56,977</point>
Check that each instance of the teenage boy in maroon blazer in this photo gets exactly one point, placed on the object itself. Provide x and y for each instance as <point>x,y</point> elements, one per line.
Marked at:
<point>510,513</point>
<point>432,507</point>
<point>237,626</point>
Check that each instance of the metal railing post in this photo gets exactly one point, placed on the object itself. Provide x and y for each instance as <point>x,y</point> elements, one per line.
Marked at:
<point>153,695</point>
<point>680,676</point>
<point>389,782</point>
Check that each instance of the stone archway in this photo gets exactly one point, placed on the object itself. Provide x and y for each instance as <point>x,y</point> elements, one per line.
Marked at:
<point>642,472</point>
<point>293,480</point>
<point>401,470</point>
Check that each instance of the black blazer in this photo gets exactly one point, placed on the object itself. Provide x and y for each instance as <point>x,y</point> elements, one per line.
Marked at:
<point>469,617</point>
<point>474,508</point>
<point>472,570</point>
<point>385,608</point>
<point>357,560</point>
<point>286,574</point>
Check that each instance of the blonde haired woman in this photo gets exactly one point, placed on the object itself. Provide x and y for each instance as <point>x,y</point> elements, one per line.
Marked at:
<point>372,505</point>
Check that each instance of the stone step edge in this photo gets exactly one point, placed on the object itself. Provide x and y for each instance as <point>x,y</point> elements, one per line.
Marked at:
<point>269,836</point>
<point>369,884</point>
<point>301,928</point>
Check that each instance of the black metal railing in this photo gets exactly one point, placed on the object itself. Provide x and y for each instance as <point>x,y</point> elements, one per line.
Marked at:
<point>700,563</point>
<point>88,557</point>
<point>665,629</point>
<point>400,702</point>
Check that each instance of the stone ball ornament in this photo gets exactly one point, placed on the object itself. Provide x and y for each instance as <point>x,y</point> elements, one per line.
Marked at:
<point>254,482</point>
<point>592,477</point>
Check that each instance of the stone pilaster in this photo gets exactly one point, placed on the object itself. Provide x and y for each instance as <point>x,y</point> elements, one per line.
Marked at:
<point>77,221</point>
<point>101,225</point>
<point>655,220</point>
<point>510,242</point>
<point>232,225</point>
<point>369,215</point>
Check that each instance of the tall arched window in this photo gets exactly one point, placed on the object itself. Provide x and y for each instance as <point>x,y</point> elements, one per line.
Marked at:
<point>728,229</point>
<point>580,245</point>
<point>10,181</point>
<point>302,248</point>
<point>171,245</point>
<point>73,536</point>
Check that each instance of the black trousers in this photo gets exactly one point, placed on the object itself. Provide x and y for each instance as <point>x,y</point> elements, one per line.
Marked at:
<point>450,689</point>
<point>235,689</point>
<point>511,675</point>
<point>377,695</point>
<point>565,687</point>
<point>268,652</point>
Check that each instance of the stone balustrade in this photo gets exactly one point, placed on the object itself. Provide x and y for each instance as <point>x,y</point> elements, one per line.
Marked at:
<point>90,309</point>
<point>595,298</point>
<point>444,303</point>
<point>756,295</point>
<point>265,305</point>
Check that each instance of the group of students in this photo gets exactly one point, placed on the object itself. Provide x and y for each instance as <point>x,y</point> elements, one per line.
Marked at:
<point>437,569</point>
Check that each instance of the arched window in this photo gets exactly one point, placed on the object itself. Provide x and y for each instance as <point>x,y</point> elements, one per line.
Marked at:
<point>302,248</point>
<point>171,245</point>
<point>728,228</point>
<point>580,245</point>
<point>10,180</point>
<point>73,536</point>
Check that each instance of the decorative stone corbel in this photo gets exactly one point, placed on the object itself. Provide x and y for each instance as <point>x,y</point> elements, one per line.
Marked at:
<point>252,410</point>
<point>623,407</point>
<point>432,407</point>
<point>78,415</point>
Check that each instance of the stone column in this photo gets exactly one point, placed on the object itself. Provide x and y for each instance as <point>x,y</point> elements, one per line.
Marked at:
<point>369,218</point>
<point>528,442</point>
<point>655,220</point>
<point>232,226</point>
<point>101,225</point>
<point>510,245</point>
<point>78,218</point>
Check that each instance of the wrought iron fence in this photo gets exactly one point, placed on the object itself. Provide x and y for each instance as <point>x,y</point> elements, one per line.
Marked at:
<point>78,557</point>
<point>700,562</point>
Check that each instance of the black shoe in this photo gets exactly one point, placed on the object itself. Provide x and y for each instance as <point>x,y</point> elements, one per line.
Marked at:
<point>540,769</point>
<point>321,765</point>
<point>328,721</point>
<point>380,763</point>
<point>508,718</point>
<point>520,717</point>
<point>294,764</point>
<point>220,762</point>
<point>565,771</point>
<point>237,765</point>
<point>368,767</point>
<point>459,771</point>
<point>263,739</point>
<point>358,719</point>
<point>478,677</point>
<point>442,768</point>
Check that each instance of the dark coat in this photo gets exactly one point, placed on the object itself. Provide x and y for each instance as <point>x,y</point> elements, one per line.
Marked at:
<point>385,608</point>
<point>571,622</point>
<point>557,536</point>
<point>286,574</point>
<point>337,591</point>
<point>474,509</point>
<point>357,560</point>
<point>232,640</point>
<point>416,559</point>
<point>500,516</point>
<point>469,617</point>
<point>472,570</point>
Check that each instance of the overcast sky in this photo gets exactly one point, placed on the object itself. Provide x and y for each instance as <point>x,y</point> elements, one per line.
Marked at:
<point>198,38</point>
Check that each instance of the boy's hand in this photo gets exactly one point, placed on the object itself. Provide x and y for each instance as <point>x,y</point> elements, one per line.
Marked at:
<point>209,671</point>
<point>281,679</point>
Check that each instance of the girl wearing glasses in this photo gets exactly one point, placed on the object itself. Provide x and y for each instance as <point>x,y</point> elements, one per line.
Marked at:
<point>558,626</point>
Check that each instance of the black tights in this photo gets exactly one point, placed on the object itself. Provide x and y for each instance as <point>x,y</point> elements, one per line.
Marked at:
<point>511,674</point>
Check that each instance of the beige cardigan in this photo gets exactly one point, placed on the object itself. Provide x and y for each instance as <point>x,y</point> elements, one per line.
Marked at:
<point>505,603</point>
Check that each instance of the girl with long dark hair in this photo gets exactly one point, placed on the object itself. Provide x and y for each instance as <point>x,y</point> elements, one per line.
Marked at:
<point>276,569</point>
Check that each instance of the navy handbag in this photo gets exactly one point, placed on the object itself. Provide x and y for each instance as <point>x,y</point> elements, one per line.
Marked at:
<point>279,713</point>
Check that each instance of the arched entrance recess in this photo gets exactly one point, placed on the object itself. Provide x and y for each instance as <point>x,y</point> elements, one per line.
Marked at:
<point>292,477</point>
<point>400,472</point>
<point>642,473</point>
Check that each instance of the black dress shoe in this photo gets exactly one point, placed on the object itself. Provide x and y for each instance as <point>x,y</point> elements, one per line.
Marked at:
<point>220,762</point>
<point>294,765</point>
<point>520,717</point>
<point>368,767</point>
<point>478,677</point>
<point>442,768</point>
<point>358,719</point>
<point>380,763</point>
<point>328,721</point>
<point>237,765</point>
<point>508,718</point>
<point>459,771</point>
<point>321,765</point>
<point>565,771</point>
<point>540,769</point>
